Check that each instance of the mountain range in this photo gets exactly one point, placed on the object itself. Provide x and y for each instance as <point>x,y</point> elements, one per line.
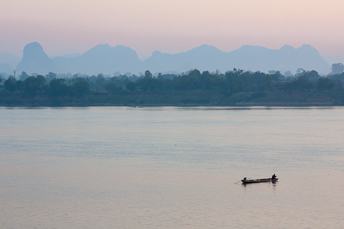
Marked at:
<point>108,59</point>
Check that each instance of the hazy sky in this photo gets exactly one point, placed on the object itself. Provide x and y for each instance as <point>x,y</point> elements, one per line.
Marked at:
<point>68,26</point>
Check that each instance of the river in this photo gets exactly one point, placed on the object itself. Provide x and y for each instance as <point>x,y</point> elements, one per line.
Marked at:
<point>170,167</point>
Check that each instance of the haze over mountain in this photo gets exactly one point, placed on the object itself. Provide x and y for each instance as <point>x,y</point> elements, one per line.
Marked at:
<point>8,62</point>
<point>35,60</point>
<point>252,58</point>
<point>108,59</point>
<point>100,59</point>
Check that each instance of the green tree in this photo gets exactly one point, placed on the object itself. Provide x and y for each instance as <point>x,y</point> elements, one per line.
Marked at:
<point>58,87</point>
<point>325,84</point>
<point>34,85</point>
<point>80,87</point>
<point>11,84</point>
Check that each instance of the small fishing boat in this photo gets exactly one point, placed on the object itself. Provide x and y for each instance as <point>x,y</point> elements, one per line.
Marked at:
<point>272,179</point>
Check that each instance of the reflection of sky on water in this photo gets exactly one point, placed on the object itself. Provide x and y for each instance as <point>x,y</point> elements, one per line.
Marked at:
<point>170,168</point>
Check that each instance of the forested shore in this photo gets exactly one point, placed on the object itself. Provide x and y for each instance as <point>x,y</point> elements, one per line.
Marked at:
<point>194,88</point>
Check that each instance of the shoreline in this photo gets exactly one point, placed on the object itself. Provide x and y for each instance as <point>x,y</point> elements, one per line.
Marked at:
<point>234,106</point>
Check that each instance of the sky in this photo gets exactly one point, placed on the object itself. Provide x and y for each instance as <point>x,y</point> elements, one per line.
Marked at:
<point>73,26</point>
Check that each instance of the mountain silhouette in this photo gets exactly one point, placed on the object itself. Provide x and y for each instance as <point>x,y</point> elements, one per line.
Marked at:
<point>35,60</point>
<point>252,58</point>
<point>108,59</point>
<point>204,57</point>
<point>287,58</point>
<point>101,59</point>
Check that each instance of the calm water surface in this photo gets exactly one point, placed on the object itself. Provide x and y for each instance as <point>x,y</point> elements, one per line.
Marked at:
<point>171,168</point>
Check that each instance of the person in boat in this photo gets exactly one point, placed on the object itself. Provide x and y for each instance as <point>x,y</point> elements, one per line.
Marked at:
<point>245,179</point>
<point>274,177</point>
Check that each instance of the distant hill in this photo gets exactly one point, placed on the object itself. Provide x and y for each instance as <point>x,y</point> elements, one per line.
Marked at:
<point>252,58</point>
<point>204,57</point>
<point>101,59</point>
<point>35,60</point>
<point>120,59</point>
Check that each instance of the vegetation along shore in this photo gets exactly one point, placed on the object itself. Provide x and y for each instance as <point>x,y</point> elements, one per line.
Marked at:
<point>194,88</point>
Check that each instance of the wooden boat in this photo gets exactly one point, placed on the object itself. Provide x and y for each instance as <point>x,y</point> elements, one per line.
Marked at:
<point>254,181</point>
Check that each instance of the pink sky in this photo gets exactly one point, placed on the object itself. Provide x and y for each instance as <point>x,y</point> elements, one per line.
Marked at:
<point>68,26</point>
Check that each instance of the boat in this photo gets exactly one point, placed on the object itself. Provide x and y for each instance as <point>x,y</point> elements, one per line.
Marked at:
<point>254,181</point>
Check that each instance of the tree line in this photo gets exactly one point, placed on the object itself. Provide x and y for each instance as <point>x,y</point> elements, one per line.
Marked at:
<point>235,87</point>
